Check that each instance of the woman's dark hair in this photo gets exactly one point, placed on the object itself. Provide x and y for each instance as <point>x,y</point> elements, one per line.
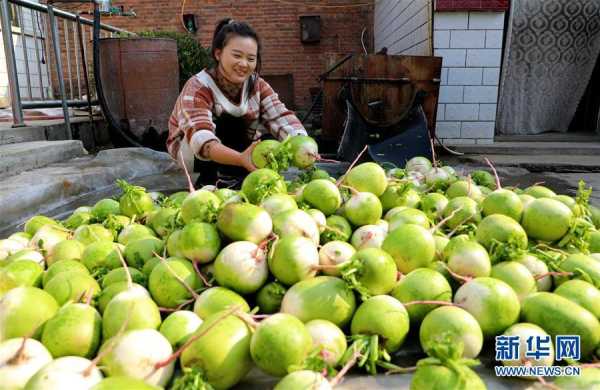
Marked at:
<point>227,28</point>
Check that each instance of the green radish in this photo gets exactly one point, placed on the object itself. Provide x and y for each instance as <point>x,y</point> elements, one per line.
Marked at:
<point>453,243</point>
<point>20,359</point>
<point>582,293</point>
<point>594,242</point>
<point>123,382</point>
<point>138,252</point>
<point>263,154</point>
<point>102,255</point>
<point>179,326</point>
<point>411,246</point>
<point>440,245</point>
<point>173,282</point>
<point>589,379</point>
<point>539,192</point>
<point>163,221</point>
<point>370,272</point>
<point>134,232</point>
<point>517,276</point>
<point>579,262</point>
<point>47,237</point>
<point>24,273</point>
<point>526,200</point>
<point>269,297</point>
<point>200,206</point>
<point>262,183</point>
<point>88,234</point>
<point>72,286</point>
<point>304,151</point>
<point>24,254</point>
<point>559,316</point>
<point>329,339</point>
<point>538,269</point>
<point>136,353</point>
<point>220,350</point>
<point>7,283</point>
<point>525,331</point>
<point>65,250</point>
<point>63,266</point>
<point>334,253</point>
<point>437,178</point>
<point>135,200</point>
<point>379,328</point>
<point>319,218</point>
<point>368,236</point>
<point>296,223</point>
<point>422,284</point>
<point>393,212</point>
<point>21,237</point>
<point>418,164</point>
<point>303,379</point>
<point>293,259</point>
<point>74,330</point>
<point>120,275</point>
<point>484,178</point>
<point>33,224</point>
<point>492,302</point>
<point>173,248</point>
<point>464,188</point>
<point>322,195</point>
<point>406,216</point>
<point>105,207</point>
<point>242,267</point>
<point>176,199</point>
<point>23,312</point>
<point>216,299</point>
<point>464,210</point>
<point>69,372</point>
<point>367,177</point>
<point>117,223</point>
<point>200,242</point>
<point>595,215</point>
<point>132,307</point>
<point>363,208</point>
<point>458,323</point>
<point>278,203</point>
<point>433,204</point>
<point>546,219</point>
<point>446,370</point>
<point>322,297</point>
<point>108,293</point>
<point>244,222</point>
<point>468,258</point>
<point>499,230</point>
<point>337,229</point>
<point>399,195</point>
<point>9,247</point>
<point>279,342</point>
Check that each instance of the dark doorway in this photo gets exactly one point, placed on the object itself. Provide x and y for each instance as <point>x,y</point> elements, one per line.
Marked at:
<point>587,116</point>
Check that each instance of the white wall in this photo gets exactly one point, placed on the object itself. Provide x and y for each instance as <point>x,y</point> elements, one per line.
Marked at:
<point>471,46</point>
<point>403,26</point>
<point>20,59</point>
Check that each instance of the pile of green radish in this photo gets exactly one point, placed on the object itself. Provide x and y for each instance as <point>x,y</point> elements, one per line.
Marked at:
<point>304,279</point>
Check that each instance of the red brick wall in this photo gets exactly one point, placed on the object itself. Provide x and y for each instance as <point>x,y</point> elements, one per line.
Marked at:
<point>277,23</point>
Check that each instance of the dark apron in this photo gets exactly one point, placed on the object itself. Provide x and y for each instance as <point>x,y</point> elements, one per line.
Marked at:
<point>232,131</point>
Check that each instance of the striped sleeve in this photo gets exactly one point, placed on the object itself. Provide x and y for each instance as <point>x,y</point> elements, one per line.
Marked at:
<point>280,121</point>
<point>191,120</point>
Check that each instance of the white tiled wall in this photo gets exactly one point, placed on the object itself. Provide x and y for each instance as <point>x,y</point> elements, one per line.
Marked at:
<point>403,26</point>
<point>471,45</point>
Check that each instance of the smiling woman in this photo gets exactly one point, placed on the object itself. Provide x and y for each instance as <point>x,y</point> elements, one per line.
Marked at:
<point>222,111</point>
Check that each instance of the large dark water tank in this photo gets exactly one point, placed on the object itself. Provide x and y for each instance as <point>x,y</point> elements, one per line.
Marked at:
<point>140,79</point>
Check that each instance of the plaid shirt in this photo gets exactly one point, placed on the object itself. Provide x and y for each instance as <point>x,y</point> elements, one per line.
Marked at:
<point>202,100</point>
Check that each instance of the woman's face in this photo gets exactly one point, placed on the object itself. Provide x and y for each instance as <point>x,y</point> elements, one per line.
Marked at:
<point>237,60</point>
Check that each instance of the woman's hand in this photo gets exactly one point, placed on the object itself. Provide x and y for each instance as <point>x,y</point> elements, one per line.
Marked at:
<point>246,157</point>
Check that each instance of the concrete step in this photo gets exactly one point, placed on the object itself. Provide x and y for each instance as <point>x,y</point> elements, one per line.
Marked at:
<point>57,189</point>
<point>533,148</point>
<point>13,135</point>
<point>539,162</point>
<point>20,157</point>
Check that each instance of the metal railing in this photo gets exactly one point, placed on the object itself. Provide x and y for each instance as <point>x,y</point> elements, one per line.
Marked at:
<point>52,44</point>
